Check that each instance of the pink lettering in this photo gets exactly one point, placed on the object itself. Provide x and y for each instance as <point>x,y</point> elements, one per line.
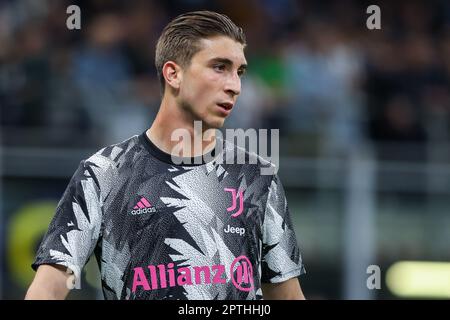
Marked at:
<point>153,277</point>
<point>218,276</point>
<point>185,278</point>
<point>171,275</point>
<point>139,279</point>
<point>206,272</point>
<point>162,276</point>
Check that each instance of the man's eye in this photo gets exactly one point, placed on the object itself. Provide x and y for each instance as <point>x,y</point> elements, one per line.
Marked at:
<point>241,73</point>
<point>219,67</point>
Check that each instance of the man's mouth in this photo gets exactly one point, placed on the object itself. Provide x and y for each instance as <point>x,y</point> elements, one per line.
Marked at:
<point>227,106</point>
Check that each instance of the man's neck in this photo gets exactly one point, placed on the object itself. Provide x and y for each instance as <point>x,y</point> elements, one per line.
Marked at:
<point>170,117</point>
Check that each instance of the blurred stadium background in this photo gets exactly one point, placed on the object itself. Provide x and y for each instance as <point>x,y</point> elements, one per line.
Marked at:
<point>364,119</point>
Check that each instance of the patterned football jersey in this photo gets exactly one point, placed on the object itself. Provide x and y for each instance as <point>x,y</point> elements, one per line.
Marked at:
<point>161,230</point>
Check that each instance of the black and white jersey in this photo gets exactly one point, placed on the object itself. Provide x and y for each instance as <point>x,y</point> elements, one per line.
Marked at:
<point>165,231</point>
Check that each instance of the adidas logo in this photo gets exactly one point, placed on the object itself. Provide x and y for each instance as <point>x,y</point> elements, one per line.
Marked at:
<point>143,206</point>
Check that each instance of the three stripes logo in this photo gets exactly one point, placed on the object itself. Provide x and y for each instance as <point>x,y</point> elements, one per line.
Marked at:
<point>143,206</point>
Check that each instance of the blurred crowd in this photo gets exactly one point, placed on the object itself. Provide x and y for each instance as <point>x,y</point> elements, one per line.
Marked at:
<point>316,72</point>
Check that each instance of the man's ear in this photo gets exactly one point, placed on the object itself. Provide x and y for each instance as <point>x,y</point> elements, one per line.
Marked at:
<point>173,74</point>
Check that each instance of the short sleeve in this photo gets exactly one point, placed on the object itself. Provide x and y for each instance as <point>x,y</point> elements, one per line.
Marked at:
<point>75,228</point>
<point>281,258</point>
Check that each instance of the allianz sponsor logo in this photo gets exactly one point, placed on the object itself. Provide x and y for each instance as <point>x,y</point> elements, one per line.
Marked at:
<point>154,277</point>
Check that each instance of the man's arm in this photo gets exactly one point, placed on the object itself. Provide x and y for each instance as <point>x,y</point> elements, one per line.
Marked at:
<point>287,290</point>
<point>50,283</point>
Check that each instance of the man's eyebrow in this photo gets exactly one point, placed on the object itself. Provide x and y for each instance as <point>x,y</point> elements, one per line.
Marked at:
<point>228,62</point>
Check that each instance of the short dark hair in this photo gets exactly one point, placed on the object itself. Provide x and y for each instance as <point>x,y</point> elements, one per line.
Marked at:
<point>179,40</point>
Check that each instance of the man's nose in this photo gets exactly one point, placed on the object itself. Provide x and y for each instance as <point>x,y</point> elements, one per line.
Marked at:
<point>233,85</point>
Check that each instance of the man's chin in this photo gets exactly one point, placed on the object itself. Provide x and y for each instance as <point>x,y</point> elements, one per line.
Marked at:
<point>214,123</point>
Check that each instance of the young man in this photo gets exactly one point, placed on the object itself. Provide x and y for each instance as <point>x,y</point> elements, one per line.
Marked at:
<point>165,230</point>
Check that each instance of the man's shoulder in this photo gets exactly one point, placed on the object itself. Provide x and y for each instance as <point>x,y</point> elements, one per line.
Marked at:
<point>115,155</point>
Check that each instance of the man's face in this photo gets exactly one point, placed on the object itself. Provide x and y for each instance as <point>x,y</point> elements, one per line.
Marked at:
<point>210,85</point>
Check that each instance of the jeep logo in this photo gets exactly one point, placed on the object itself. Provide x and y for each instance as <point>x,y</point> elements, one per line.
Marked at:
<point>239,231</point>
